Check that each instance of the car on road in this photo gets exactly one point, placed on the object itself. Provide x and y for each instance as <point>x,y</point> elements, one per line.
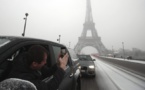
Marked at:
<point>11,47</point>
<point>129,57</point>
<point>87,65</point>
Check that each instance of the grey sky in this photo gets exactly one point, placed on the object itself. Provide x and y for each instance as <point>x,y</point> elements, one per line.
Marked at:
<point>116,21</point>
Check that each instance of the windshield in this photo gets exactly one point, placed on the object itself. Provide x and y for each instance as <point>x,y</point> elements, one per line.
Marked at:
<point>85,57</point>
<point>3,41</point>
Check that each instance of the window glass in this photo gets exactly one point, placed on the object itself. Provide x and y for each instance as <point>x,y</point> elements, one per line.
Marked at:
<point>56,52</point>
<point>73,54</point>
<point>85,57</point>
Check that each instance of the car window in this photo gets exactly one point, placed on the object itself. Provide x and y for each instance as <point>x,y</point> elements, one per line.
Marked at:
<point>57,51</point>
<point>85,57</point>
<point>73,54</point>
<point>6,65</point>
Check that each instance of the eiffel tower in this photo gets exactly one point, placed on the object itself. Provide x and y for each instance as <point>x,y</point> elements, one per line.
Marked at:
<point>94,40</point>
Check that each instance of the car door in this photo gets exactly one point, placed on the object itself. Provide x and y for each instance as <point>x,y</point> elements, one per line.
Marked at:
<point>67,82</point>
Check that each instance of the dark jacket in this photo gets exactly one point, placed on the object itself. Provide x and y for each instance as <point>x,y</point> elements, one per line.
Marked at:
<point>44,79</point>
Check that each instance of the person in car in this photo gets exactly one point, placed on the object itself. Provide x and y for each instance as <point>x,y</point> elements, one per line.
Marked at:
<point>31,66</point>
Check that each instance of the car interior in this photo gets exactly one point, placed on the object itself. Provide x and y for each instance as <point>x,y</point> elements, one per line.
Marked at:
<point>6,65</point>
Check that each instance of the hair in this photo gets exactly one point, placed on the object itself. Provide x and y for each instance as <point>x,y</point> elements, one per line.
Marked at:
<point>16,84</point>
<point>36,53</point>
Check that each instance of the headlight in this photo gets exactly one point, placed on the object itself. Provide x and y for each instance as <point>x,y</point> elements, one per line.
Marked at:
<point>79,67</point>
<point>91,66</point>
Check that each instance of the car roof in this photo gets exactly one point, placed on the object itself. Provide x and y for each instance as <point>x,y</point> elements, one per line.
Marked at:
<point>16,39</point>
<point>25,38</point>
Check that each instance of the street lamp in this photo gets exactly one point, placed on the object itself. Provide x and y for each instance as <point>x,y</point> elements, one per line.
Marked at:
<point>123,49</point>
<point>26,14</point>
<point>59,38</point>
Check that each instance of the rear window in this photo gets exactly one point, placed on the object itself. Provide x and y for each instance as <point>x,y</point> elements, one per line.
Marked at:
<point>3,41</point>
<point>85,57</point>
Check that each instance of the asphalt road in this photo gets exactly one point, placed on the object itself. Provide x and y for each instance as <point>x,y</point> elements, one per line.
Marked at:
<point>88,83</point>
<point>110,77</point>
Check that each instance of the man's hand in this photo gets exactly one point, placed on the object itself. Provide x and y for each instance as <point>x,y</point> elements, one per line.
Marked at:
<point>63,61</point>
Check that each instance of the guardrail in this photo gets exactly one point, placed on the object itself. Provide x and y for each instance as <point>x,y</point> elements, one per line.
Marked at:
<point>133,66</point>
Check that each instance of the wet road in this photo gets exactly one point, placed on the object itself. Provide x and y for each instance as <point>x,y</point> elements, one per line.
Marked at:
<point>88,83</point>
<point>110,77</point>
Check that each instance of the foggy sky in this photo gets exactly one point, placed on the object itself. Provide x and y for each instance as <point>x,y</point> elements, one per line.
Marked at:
<point>116,21</point>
